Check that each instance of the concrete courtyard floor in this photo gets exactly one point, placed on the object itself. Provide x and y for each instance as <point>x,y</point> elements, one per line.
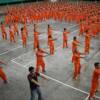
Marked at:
<point>59,68</point>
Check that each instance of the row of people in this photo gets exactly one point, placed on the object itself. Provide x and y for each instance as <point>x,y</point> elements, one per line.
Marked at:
<point>87,15</point>
<point>14,32</point>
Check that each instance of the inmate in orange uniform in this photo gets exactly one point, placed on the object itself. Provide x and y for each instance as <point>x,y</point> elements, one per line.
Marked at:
<point>16,28</point>
<point>39,60</point>
<point>87,42</point>
<point>51,45</point>
<point>75,43</point>
<point>49,32</point>
<point>76,62</point>
<point>81,27</point>
<point>36,39</point>
<point>25,30</point>
<point>12,35</point>
<point>2,74</point>
<point>24,38</point>
<point>65,38</point>
<point>4,34</point>
<point>95,80</point>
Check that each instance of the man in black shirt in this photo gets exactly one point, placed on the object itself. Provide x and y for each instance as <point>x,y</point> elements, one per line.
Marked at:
<point>34,84</point>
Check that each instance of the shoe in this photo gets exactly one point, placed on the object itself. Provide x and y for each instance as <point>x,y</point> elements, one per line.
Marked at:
<point>5,81</point>
<point>75,78</point>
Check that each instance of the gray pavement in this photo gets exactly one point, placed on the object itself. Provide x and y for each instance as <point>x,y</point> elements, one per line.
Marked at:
<point>59,68</point>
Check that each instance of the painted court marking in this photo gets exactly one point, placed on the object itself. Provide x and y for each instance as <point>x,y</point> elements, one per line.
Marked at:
<point>66,85</point>
<point>59,82</point>
<point>87,97</point>
<point>16,63</point>
<point>14,48</point>
<point>32,50</point>
<point>30,43</point>
<point>22,55</point>
<point>20,46</point>
<point>58,47</point>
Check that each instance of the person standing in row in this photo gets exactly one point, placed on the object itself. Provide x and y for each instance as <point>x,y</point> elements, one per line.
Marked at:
<point>49,33</point>
<point>95,80</point>
<point>87,42</point>
<point>77,63</point>
<point>65,38</point>
<point>39,59</point>
<point>3,30</point>
<point>36,39</point>
<point>51,45</point>
<point>12,34</point>
<point>24,38</point>
<point>2,74</point>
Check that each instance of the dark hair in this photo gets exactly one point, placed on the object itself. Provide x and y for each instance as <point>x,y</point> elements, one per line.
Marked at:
<point>48,25</point>
<point>74,37</point>
<point>86,30</point>
<point>22,29</point>
<point>96,64</point>
<point>64,29</point>
<point>31,68</point>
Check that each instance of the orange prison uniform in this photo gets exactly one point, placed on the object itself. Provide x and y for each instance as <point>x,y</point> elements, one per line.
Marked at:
<point>16,28</point>
<point>51,45</point>
<point>36,39</point>
<point>2,74</point>
<point>95,82</point>
<point>77,65</point>
<point>12,35</point>
<point>81,28</point>
<point>87,43</point>
<point>40,61</point>
<point>25,30</point>
<point>24,39</point>
<point>49,33</point>
<point>65,39</point>
<point>74,45</point>
<point>4,34</point>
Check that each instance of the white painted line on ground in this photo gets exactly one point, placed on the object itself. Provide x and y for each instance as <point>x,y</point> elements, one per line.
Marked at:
<point>22,55</point>
<point>10,50</point>
<point>31,51</point>
<point>72,26</point>
<point>66,85</point>
<point>29,43</point>
<point>15,48</point>
<point>28,63</point>
<point>17,63</point>
<point>74,31</point>
<point>87,97</point>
